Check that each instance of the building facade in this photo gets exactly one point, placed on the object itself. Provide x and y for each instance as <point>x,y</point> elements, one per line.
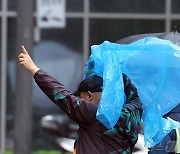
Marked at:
<point>88,22</point>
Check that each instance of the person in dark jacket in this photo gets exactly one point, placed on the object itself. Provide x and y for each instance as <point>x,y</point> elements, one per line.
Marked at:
<point>93,137</point>
<point>171,142</point>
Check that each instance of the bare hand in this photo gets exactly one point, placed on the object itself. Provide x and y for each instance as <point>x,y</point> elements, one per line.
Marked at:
<point>26,61</point>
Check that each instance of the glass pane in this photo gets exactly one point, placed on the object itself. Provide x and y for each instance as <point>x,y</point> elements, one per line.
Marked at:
<point>137,6</point>
<point>11,5</point>
<point>11,60</point>
<point>0,84</point>
<point>175,6</point>
<point>0,33</point>
<point>113,30</point>
<point>71,5</point>
<point>60,54</point>
<point>71,36</point>
<point>74,5</point>
<point>176,25</point>
<point>0,4</point>
<point>70,39</point>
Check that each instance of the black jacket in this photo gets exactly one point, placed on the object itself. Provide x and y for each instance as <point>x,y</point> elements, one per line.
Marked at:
<point>93,137</point>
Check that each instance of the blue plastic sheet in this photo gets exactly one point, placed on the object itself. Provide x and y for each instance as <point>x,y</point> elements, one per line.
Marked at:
<point>153,65</point>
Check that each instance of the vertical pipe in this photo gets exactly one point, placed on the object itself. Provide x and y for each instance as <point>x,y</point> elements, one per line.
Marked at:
<point>86,31</point>
<point>168,5</point>
<point>3,74</point>
<point>23,93</point>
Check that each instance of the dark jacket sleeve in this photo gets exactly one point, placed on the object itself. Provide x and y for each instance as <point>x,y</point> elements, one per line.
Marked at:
<point>77,109</point>
<point>133,102</point>
<point>131,112</point>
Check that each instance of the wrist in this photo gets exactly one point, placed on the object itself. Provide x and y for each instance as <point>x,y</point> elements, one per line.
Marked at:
<point>33,70</point>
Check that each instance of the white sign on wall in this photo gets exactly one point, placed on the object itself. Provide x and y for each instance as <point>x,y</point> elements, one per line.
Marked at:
<point>51,13</point>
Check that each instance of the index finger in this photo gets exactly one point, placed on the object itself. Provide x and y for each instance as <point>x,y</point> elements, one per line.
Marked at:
<point>24,50</point>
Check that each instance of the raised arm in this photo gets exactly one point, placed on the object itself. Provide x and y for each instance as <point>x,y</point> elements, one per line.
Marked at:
<point>26,61</point>
<point>76,108</point>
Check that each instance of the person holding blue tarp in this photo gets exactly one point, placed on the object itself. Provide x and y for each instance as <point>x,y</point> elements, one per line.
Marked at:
<point>93,137</point>
<point>153,66</point>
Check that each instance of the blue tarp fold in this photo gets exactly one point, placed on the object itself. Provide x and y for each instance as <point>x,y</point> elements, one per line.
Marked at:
<point>153,65</point>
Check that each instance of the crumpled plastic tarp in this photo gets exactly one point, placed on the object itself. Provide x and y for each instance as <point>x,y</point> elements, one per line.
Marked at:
<point>153,65</point>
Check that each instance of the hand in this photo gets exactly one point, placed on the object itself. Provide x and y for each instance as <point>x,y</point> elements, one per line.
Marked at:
<point>26,61</point>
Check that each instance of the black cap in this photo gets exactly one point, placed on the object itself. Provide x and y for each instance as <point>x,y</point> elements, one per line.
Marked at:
<point>92,83</point>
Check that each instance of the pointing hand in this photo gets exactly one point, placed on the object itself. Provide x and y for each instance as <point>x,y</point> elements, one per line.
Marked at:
<point>26,61</point>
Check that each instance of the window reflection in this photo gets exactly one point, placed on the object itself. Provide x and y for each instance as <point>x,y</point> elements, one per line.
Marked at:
<point>175,6</point>
<point>137,6</point>
<point>11,35</point>
<point>58,49</point>
<point>11,5</point>
<point>0,33</point>
<point>70,36</point>
<point>0,79</point>
<point>176,25</point>
<point>74,5</point>
<point>113,30</point>
<point>71,5</point>
<point>0,66</point>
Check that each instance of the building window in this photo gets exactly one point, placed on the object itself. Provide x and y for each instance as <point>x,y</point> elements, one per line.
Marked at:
<point>11,5</point>
<point>175,6</point>
<point>71,35</point>
<point>128,6</point>
<point>113,29</point>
